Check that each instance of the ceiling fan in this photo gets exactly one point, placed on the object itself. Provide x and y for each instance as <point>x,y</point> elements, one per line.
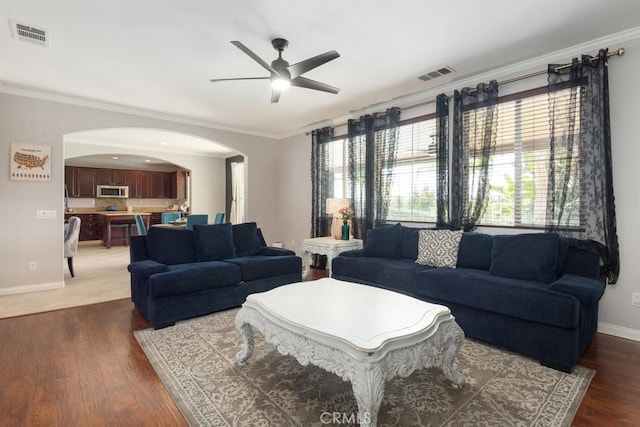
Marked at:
<point>284,75</point>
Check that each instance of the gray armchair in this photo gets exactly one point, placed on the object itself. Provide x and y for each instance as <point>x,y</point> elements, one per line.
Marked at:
<point>71,237</point>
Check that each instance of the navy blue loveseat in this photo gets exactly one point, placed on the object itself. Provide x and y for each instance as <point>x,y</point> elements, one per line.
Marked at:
<point>177,274</point>
<point>535,294</point>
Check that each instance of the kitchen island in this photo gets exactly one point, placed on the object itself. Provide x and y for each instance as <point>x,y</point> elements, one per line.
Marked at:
<point>107,218</point>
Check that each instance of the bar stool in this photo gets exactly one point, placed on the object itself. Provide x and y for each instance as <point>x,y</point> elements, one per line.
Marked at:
<point>126,231</point>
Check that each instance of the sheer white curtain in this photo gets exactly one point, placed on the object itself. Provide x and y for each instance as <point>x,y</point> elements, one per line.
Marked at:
<point>236,216</point>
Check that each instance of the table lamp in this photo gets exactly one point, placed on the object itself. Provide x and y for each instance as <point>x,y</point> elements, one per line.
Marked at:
<point>333,205</point>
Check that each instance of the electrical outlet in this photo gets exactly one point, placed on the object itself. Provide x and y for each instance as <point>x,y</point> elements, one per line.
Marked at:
<point>635,299</point>
<point>33,266</point>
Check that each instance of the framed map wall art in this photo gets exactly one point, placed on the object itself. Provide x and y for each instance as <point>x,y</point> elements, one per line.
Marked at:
<point>30,162</point>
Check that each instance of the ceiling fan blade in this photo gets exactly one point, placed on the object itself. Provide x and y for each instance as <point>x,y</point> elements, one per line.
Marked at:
<point>311,63</point>
<point>254,56</point>
<point>312,84</point>
<point>240,78</point>
<point>275,95</point>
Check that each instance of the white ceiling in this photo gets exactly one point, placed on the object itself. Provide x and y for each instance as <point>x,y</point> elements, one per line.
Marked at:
<point>158,56</point>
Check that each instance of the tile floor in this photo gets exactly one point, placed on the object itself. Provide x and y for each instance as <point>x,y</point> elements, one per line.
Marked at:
<point>101,275</point>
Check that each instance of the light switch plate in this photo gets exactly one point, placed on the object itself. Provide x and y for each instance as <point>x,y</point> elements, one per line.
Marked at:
<point>45,214</point>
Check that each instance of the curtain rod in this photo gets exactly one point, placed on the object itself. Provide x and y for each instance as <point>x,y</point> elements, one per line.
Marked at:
<point>618,52</point>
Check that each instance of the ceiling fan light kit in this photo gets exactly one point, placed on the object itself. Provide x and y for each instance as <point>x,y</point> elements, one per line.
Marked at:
<point>283,75</point>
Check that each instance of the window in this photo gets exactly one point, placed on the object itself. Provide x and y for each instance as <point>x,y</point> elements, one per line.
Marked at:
<point>518,174</point>
<point>414,188</point>
<point>336,168</point>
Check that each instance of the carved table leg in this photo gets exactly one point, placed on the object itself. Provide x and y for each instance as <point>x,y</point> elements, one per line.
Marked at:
<point>453,338</point>
<point>246,331</point>
<point>307,262</point>
<point>368,388</point>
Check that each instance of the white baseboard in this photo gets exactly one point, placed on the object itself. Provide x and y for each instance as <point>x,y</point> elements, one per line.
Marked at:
<point>31,288</point>
<point>619,331</point>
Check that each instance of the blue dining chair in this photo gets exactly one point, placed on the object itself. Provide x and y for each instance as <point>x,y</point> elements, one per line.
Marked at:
<point>167,217</point>
<point>219,218</point>
<point>198,219</point>
<point>142,227</point>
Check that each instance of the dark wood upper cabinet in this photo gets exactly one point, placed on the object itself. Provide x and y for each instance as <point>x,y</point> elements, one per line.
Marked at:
<point>160,185</point>
<point>178,185</point>
<point>112,177</point>
<point>143,186</point>
<point>80,182</point>
<point>120,177</point>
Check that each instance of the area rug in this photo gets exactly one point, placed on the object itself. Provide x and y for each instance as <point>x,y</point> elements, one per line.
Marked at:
<point>196,361</point>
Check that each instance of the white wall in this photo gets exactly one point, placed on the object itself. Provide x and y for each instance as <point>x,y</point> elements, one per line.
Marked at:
<point>617,315</point>
<point>25,239</point>
<point>295,191</point>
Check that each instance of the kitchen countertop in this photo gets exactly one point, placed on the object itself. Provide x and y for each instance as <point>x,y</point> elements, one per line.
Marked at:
<point>135,211</point>
<point>121,213</point>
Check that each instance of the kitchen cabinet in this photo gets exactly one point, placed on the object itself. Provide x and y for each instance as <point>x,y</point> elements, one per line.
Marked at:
<point>142,185</point>
<point>112,177</point>
<point>90,226</point>
<point>178,185</point>
<point>80,182</point>
<point>160,185</point>
<point>155,218</point>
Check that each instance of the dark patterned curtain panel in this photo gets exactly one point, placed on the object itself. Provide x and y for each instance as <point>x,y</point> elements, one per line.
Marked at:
<point>321,182</point>
<point>475,122</point>
<point>581,202</point>
<point>372,147</point>
<point>442,167</point>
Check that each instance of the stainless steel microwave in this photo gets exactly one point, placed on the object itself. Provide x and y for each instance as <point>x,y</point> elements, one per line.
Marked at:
<point>113,191</point>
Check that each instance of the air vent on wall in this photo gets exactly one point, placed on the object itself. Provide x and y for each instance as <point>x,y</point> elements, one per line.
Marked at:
<point>30,33</point>
<point>436,73</point>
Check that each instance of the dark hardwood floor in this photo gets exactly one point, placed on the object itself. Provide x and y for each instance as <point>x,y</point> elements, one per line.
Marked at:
<point>83,367</point>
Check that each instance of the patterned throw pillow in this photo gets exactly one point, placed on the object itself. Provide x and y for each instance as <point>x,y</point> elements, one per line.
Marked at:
<point>438,248</point>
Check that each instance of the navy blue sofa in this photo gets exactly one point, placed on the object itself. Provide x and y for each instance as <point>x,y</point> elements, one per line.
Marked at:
<point>536,294</point>
<point>177,274</point>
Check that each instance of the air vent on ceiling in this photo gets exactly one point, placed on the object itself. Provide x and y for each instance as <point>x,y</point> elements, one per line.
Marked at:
<point>436,73</point>
<point>30,33</point>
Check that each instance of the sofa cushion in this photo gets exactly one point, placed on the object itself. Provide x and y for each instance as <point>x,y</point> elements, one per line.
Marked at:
<point>170,246</point>
<point>582,263</point>
<point>182,279</point>
<point>383,242</point>
<point>213,242</point>
<point>262,266</point>
<point>245,239</point>
<point>409,244</point>
<point>393,273</point>
<point>522,299</point>
<point>438,248</point>
<point>525,256</point>
<point>475,251</point>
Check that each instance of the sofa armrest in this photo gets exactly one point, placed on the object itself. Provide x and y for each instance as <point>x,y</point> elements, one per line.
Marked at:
<point>273,251</point>
<point>138,249</point>
<point>146,268</point>
<point>588,291</point>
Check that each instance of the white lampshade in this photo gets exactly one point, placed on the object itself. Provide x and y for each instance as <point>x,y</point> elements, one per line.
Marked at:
<point>334,205</point>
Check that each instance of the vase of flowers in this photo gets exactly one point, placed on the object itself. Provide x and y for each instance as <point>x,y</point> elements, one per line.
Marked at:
<point>347,214</point>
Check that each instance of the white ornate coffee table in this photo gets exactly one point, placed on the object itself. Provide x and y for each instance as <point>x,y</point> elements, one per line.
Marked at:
<point>364,334</point>
<point>326,246</point>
